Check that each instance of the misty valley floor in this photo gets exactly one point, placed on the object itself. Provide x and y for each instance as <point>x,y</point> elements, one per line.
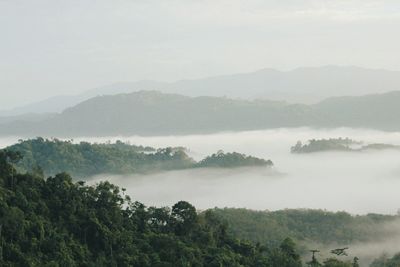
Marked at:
<point>358,183</point>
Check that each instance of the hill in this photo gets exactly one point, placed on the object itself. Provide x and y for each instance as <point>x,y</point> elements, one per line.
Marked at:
<point>155,113</point>
<point>307,226</point>
<point>84,159</point>
<point>339,144</point>
<point>302,85</point>
<point>56,222</point>
<point>28,117</point>
<point>379,111</point>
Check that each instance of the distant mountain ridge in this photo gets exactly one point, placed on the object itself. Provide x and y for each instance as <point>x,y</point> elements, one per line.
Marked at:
<point>302,85</point>
<point>379,111</point>
<point>156,113</point>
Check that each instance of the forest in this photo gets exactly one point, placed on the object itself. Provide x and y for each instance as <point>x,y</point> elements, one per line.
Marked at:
<point>307,227</point>
<point>52,156</point>
<point>338,144</point>
<point>58,222</point>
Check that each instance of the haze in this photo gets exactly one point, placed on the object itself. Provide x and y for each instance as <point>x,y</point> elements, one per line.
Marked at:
<point>355,182</point>
<point>51,47</point>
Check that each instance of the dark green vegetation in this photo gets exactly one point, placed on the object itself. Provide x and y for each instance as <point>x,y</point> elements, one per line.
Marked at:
<point>337,144</point>
<point>306,227</point>
<point>154,113</point>
<point>56,222</point>
<point>85,159</point>
<point>231,160</point>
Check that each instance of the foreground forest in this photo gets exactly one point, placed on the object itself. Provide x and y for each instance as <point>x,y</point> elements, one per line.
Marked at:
<point>56,222</point>
<point>52,156</point>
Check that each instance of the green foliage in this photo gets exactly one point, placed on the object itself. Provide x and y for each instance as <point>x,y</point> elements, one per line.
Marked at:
<point>229,160</point>
<point>337,144</point>
<point>85,159</point>
<point>56,222</point>
<point>304,226</point>
<point>333,262</point>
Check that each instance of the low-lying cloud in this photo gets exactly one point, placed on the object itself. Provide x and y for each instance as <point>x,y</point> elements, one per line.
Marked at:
<point>355,182</point>
<point>358,182</point>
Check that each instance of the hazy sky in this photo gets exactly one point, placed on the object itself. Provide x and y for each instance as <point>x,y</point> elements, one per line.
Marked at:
<point>51,47</point>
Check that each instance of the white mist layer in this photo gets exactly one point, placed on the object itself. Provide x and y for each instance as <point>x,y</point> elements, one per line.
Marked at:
<point>355,182</point>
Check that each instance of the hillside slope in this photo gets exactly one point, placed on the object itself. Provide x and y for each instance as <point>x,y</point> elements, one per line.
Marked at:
<point>302,85</point>
<point>155,113</point>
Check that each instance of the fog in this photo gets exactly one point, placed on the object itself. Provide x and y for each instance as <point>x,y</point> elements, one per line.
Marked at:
<point>358,182</point>
<point>386,243</point>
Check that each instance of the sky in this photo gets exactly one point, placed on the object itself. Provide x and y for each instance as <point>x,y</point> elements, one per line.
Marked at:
<point>52,47</point>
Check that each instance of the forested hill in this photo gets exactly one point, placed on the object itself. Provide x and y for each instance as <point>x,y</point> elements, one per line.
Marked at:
<point>378,111</point>
<point>307,226</point>
<point>339,144</point>
<point>52,156</point>
<point>154,113</point>
<point>301,85</point>
<point>56,222</point>
<point>319,229</point>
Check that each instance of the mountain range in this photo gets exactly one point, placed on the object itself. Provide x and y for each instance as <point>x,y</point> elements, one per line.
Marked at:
<point>307,85</point>
<point>156,113</point>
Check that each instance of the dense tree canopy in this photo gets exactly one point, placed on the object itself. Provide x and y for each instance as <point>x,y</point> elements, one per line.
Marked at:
<point>85,159</point>
<point>221,159</point>
<point>315,145</point>
<point>338,144</point>
<point>56,222</point>
<point>306,227</point>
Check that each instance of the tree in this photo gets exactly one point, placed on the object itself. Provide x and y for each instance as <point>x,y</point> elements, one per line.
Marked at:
<point>184,216</point>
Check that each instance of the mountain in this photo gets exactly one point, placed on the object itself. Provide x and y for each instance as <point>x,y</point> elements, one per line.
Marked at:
<point>155,113</point>
<point>302,85</point>
<point>54,104</point>
<point>28,117</point>
<point>379,111</point>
